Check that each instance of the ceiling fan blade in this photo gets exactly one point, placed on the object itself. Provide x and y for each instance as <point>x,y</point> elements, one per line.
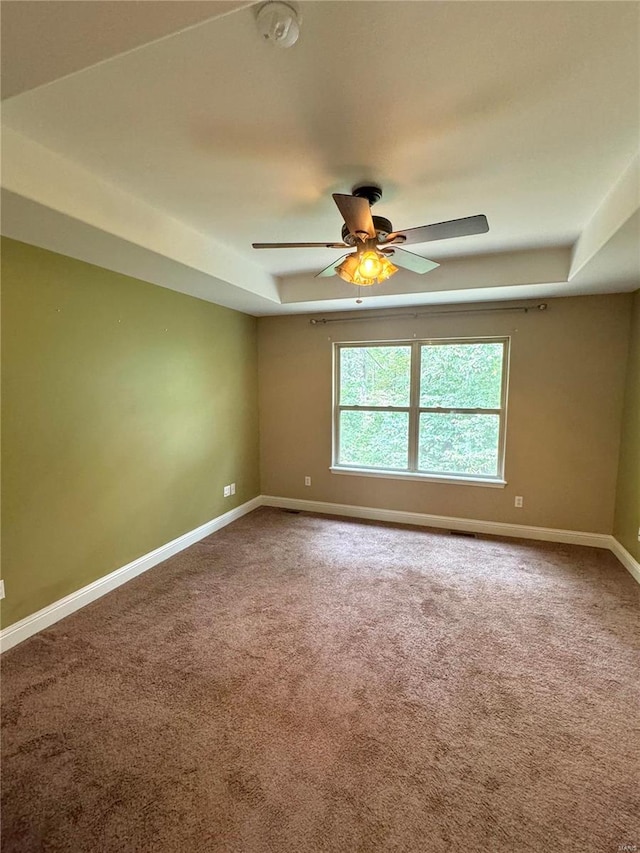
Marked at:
<point>356,213</point>
<point>331,269</point>
<point>411,261</point>
<point>443,230</point>
<point>299,246</point>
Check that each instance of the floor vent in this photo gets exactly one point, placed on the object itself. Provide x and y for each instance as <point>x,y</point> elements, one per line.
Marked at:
<point>292,511</point>
<point>463,533</point>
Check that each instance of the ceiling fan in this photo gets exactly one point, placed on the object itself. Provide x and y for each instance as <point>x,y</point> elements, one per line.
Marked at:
<point>375,241</point>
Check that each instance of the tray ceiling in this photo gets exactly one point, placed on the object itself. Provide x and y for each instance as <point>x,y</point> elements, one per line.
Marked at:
<point>527,112</point>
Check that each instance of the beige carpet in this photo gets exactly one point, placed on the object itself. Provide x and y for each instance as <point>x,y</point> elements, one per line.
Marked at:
<point>296,684</point>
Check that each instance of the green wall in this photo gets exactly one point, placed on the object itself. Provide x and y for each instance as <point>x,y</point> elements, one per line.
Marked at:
<point>627,516</point>
<point>126,409</point>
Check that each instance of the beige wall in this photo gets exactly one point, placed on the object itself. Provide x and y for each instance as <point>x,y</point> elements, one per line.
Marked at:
<point>126,409</point>
<point>565,402</point>
<point>627,516</point>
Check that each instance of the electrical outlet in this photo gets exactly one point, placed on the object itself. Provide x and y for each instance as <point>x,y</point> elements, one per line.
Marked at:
<point>227,491</point>
<point>307,481</point>
<point>2,585</point>
<point>519,501</point>
<point>233,488</point>
<point>639,534</point>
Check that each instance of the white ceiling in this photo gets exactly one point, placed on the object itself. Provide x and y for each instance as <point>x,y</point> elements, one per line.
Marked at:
<point>525,111</point>
<point>61,37</point>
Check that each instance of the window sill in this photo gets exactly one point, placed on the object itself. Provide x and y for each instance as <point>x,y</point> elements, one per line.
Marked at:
<point>489,483</point>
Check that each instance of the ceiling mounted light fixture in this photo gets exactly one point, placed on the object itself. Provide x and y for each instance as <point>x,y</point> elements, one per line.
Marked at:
<point>348,268</point>
<point>388,269</point>
<point>366,268</point>
<point>370,264</point>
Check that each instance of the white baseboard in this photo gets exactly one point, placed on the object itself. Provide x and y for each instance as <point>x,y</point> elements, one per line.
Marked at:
<point>19,631</point>
<point>471,525</point>
<point>627,560</point>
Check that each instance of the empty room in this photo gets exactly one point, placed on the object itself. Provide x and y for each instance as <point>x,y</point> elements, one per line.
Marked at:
<point>320,426</point>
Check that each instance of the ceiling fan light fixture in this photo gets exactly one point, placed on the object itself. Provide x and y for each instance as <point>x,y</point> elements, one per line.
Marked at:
<point>388,269</point>
<point>366,269</point>
<point>361,281</point>
<point>348,268</point>
<point>370,264</point>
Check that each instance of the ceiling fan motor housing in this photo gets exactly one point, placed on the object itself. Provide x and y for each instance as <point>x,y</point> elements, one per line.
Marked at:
<point>372,192</point>
<point>380,223</point>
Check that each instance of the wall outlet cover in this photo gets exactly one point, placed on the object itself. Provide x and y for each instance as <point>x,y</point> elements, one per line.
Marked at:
<point>519,501</point>
<point>1,589</point>
<point>307,481</point>
<point>227,491</point>
<point>233,488</point>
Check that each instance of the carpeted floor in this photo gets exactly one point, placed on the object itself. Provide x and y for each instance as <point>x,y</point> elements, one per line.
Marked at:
<point>296,683</point>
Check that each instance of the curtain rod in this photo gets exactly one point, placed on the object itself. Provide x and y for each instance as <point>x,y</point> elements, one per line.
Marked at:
<point>323,321</point>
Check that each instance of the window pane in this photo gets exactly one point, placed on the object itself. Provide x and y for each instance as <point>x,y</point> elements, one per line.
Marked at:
<point>375,376</point>
<point>465,376</point>
<point>374,439</point>
<point>459,444</point>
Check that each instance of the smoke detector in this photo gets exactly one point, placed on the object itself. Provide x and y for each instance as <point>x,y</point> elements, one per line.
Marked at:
<point>278,23</point>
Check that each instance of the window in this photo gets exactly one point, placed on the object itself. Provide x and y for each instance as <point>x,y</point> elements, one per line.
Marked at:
<point>422,408</point>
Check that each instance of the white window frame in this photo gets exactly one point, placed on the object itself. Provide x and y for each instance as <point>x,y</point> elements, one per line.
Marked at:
<point>414,410</point>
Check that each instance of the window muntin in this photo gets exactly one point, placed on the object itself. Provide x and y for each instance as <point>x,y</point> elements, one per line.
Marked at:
<point>422,407</point>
